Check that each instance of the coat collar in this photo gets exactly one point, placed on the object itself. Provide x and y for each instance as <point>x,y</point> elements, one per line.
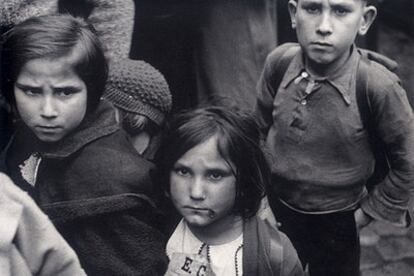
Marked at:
<point>95,125</point>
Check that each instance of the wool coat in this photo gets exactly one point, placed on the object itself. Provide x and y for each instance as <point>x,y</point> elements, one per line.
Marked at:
<point>98,192</point>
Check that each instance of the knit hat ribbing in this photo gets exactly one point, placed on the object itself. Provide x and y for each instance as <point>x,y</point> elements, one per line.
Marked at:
<point>135,86</point>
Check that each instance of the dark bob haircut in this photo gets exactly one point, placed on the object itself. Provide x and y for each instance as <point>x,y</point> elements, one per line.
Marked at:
<point>53,37</point>
<point>238,142</point>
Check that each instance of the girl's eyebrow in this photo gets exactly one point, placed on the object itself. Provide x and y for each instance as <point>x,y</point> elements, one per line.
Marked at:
<point>32,87</point>
<point>179,164</point>
<point>67,88</point>
<point>25,86</point>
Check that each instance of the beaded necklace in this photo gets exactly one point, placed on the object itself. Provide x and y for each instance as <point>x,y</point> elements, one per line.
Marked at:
<point>236,265</point>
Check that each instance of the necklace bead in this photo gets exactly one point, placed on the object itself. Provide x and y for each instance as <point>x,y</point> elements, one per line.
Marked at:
<point>236,265</point>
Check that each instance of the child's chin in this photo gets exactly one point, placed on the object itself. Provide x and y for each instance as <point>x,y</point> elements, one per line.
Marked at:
<point>197,221</point>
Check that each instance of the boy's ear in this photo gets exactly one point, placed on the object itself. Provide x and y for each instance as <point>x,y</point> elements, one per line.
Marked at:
<point>292,6</point>
<point>370,12</point>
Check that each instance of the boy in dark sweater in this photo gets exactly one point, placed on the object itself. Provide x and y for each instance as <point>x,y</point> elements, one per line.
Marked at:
<point>322,155</point>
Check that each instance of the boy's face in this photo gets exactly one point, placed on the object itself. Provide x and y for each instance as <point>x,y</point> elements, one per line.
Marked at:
<point>203,187</point>
<point>326,29</point>
<point>50,98</point>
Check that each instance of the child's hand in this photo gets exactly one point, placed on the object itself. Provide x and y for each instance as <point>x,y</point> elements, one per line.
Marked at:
<point>361,219</point>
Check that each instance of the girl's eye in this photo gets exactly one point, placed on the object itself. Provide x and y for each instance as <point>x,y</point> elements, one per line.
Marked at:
<point>182,171</point>
<point>215,176</point>
<point>65,92</point>
<point>32,92</point>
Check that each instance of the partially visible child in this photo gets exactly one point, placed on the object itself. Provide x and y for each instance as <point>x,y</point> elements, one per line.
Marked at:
<point>212,168</point>
<point>29,243</point>
<point>142,98</point>
<point>321,138</point>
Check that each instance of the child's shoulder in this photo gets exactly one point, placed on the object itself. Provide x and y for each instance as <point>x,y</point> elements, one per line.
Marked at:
<point>377,69</point>
<point>380,77</point>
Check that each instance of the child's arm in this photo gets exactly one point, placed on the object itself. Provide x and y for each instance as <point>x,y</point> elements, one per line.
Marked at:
<point>394,122</point>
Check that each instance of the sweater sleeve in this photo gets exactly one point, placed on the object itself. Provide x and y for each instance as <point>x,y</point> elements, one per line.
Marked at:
<point>43,249</point>
<point>112,19</point>
<point>114,22</point>
<point>13,12</point>
<point>394,120</point>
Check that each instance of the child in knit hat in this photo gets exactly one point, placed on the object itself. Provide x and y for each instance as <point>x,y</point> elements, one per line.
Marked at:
<point>142,99</point>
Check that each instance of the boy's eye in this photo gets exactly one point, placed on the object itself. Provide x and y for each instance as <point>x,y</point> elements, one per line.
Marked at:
<point>65,92</point>
<point>312,9</point>
<point>341,11</point>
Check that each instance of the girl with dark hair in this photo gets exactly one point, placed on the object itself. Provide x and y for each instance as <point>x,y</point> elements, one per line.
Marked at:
<point>215,173</point>
<point>70,155</point>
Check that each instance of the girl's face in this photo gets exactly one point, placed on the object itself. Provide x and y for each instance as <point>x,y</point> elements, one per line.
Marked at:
<point>50,98</point>
<point>203,186</point>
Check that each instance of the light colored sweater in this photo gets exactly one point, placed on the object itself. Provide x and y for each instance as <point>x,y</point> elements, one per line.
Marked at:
<point>113,19</point>
<point>29,243</point>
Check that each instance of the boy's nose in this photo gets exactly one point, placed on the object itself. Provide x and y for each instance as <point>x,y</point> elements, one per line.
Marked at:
<point>48,109</point>
<point>197,189</point>
<point>325,25</point>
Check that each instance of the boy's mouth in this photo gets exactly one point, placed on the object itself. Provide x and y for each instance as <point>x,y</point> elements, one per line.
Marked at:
<point>47,127</point>
<point>321,44</point>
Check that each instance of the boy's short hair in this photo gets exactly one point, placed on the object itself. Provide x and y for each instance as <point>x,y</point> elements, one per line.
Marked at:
<point>368,2</point>
<point>138,89</point>
<point>238,143</point>
<point>371,2</point>
<point>53,37</point>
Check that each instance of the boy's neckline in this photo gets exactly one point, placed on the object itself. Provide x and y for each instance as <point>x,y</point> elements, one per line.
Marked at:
<point>327,72</point>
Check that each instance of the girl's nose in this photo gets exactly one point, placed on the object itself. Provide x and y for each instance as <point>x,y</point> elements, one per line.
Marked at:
<point>49,108</point>
<point>197,191</point>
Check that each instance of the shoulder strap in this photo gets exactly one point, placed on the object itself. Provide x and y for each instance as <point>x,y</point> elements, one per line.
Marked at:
<point>367,117</point>
<point>362,93</point>
<point>282,65</point>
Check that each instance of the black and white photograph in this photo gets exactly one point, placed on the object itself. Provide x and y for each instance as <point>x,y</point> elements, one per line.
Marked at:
<point>206,137</point>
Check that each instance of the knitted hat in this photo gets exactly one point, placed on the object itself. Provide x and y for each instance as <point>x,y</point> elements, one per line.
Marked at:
<point>137,87</point>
